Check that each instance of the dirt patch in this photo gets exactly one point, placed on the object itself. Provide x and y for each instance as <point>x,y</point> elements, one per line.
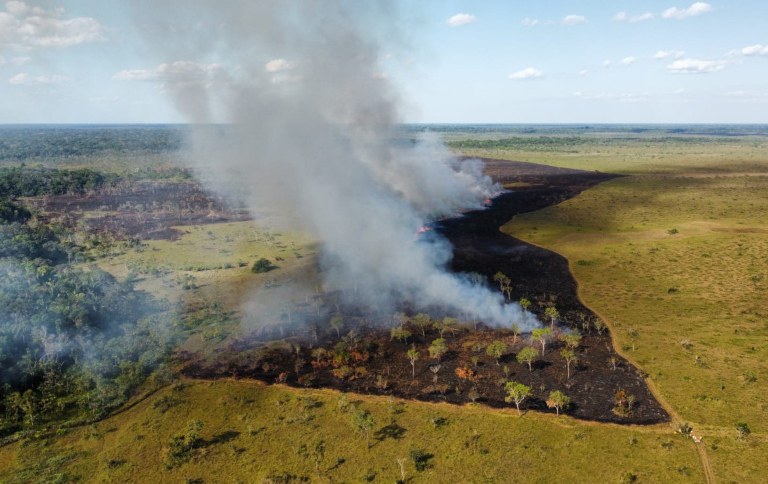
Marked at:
<point>368,360</point>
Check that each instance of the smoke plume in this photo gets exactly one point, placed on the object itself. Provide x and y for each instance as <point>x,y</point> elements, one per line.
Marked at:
<point>310,131</point>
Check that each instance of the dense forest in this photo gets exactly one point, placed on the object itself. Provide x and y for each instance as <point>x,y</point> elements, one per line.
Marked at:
<point>74,341</point>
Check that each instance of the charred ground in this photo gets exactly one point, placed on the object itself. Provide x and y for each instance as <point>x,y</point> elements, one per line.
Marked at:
<point>359,355</point>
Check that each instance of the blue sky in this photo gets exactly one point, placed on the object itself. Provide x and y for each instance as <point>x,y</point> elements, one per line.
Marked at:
<point>511,61</point>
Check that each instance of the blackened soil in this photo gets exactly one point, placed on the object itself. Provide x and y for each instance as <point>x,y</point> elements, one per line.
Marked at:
<point>369,361</point>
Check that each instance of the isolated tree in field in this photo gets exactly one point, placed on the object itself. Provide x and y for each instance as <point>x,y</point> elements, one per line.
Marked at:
<point>558,400</point>
<point>553,314</point>
<point>413,356</point>
<point>337,323</point>
<point>633,335</point>
<point>525,303</point>
<point>542,336</point>
<point>570,357</point>
<point>496,350</point>
<point>505,284</point>
<point>363,422</point>
<point>517,393</point>
<point>527,355</point>
<point>447,324</point>
<point>438,348</point>
<point>743,430</point>
<point>516,330</point>
<point>423,322</point>
<point>401,333</point>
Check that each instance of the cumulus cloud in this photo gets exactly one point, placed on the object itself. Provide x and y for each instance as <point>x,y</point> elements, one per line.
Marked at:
<point>574,19</point>
<point>179,71</point>
<point>461,19</point>
<point>753,50</point>
<point>23,27</point>
<point>695,9</point>
<point>526,74</point>
<point>279,65</point>
<point>583,72</point>
<point>624,17</point>
<point>607,64</point>
<point>24,79</point>
<point>666,54</point>
<point>628,60</point>
<point>695,66</point>
<point>529,22</point>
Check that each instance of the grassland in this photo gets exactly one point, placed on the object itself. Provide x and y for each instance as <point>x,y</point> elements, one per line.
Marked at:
<point>674,257</point>
<point>252,432</point>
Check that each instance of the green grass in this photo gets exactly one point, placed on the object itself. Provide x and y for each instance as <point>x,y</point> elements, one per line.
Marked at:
<point>251,431</point>
<point>677,265</point>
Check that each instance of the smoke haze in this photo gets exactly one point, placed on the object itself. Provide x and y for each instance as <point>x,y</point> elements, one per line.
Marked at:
<point>311,135</point>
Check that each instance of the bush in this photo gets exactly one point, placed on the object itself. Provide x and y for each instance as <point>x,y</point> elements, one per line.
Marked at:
<point>262,265</point>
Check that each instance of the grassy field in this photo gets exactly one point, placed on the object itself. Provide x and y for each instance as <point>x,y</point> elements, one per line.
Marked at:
<point>251,432</point>
<point>675,258</point>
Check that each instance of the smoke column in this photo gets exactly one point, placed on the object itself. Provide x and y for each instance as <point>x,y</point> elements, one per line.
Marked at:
<point>310,133</point>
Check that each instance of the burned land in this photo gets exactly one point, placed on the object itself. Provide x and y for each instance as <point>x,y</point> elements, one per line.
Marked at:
<point>326,344</point>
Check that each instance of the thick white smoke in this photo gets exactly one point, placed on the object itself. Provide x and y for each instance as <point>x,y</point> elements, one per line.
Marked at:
<point>311,135</point>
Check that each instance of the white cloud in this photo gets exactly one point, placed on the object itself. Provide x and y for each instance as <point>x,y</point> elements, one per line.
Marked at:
<point>177,72</point>
<point>695,66</point>
<point>278,65</point>
<point>583,72</point>
<point>624,17</point>
<point>529,22</point>
<point>628,60</point>
<point>757,49</point>
<point>23,27</point>
<point>695,9</point>
<point>461,19</point>
<point>24,79</point>
<point>666,54</point>
<point>526,74</point>
<point>622,97</point>
<point>574,19</point>
<point>607,64</point>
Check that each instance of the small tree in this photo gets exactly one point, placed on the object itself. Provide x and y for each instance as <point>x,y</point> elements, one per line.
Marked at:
<point>527,355</point>
<point>516,330</point>
<point>363,422</point>
<point>571,340</point>
<point>337,323</point>
<point>496,350</point>
<point>262,265</point>
<point>570,357</point>
<point>447,324</point>
<point>542,336</point>
<point>525,303</point>
<point>505,284</point>
<point>743,430</point>
<point>558,400</point>
<point>517,393</point>
<point>423,322</point>
<point>413,356</point>
<point>438,348</point>
<point>553,314</point>
<point>401,333</point>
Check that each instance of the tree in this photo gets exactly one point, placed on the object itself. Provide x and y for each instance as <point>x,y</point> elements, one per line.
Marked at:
<point>423,322</point>
<point>438,348</point>
<point>447,324</point>
<point>542,336</point>
<point>527,355</point>
<point>743,430</point>
<point>505,284</point>
<point>570,357</point>
<point>571,340</point>
<point>398,332</point>
<point>525,303</point>
<point>413,356</point>
<point>558,400</point>
<point>262,265</point>
<point>337,322</point>
<point>516,330</point>
<point>496,350</point>
<point>516,392</point>
<point>553,314</point>
<point>363,422</point>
